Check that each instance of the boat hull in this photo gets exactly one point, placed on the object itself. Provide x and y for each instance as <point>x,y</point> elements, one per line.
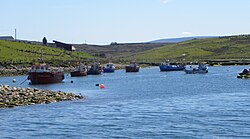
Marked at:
<point>170,68</point>
<point>94,72</point>
<point>243,76</point>
<point>45,77</point>
<point>108,70</point>
<point>78,73</point>
<point>196,71</point>
<point>132,69</point>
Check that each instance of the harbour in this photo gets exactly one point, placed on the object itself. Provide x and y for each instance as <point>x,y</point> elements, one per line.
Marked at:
<point>212,105</point>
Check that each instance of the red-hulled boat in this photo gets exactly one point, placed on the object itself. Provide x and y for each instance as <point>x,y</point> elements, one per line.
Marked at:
<point>132,68</point>
<point>40,74</point>
<point>81,70</point>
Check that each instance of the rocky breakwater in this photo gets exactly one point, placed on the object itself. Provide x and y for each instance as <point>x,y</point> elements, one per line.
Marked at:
<point>15,96</point>
<point>16,71</point>
<point>13,71</point>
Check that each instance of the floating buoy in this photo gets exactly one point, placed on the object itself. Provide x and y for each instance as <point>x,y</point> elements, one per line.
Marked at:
<point>72,81</point>
<point>14,80</point>
<point>102,86</point>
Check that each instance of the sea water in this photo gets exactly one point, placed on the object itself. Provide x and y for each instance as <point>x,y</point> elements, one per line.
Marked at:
<point>147,104</point>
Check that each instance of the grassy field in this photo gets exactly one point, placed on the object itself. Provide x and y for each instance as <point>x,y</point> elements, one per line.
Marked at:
<point>21,53</point>
<point>117,53</point>
<point>234,47</point>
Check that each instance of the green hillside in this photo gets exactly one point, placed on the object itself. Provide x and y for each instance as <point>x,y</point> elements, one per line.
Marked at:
<point>19,53</point>
<point>234,47</point>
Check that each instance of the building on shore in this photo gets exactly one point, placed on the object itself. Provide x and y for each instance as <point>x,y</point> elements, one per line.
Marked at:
<point>7,38</point>
<point>65,46</point>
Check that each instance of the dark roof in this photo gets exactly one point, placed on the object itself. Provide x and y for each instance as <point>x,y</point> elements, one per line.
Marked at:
<point>64,45</point>
<point>61,43</point>
<point>6,38</point>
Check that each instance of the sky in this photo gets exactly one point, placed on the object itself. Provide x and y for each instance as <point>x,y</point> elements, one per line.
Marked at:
<point>122,21</point>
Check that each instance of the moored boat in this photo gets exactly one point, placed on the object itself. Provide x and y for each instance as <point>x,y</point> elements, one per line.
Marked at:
<point>168,67</point>
<point>108,68</point>
<point>202,68</point>
<point>81,70</point>
<point>132,67</point>
<point>94,69</point>
<point>244,74</point>
<point>40,74</point>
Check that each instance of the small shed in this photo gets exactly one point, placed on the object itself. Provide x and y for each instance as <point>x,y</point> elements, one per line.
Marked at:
<point>7,38</point>
<point>65,46</point>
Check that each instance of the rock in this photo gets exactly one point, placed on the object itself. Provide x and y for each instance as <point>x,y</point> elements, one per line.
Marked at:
<point>14,89</point>
<point>13,96</point>
<point>35,89</point>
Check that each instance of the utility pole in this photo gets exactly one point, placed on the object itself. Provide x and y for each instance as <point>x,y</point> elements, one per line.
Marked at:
<point>15,34</point>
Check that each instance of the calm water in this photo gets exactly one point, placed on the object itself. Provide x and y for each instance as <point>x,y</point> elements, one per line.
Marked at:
<point>148,104</point>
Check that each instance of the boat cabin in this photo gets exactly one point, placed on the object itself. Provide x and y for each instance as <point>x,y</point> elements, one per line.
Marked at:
<point>110,65</point>
<point>39,68</point>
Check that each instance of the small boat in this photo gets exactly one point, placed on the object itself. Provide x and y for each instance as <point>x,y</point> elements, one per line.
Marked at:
<point>81,70</point>
<point>244,74</point>
<point>40,74</point>
<point>165,66</point>
<point>132,67</point>
<point>108,68</point>
<point>202,68</point>
<point>94,69</point>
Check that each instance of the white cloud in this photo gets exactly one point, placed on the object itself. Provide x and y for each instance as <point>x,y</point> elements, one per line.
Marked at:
<point>164,1</point>
<point>186,33</point>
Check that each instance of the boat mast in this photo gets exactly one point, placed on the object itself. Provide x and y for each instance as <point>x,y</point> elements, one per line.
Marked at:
<point>41,51</point>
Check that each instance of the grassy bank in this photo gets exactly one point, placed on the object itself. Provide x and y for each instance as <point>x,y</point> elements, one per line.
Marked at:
<point>234,47</point>
<point>22,53</point>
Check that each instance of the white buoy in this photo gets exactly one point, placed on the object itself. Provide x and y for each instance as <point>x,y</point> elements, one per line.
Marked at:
<point>14,80</point>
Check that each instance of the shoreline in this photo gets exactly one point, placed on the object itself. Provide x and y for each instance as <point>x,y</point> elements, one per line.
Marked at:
<point>24,71</point>
<point>21,71</point>
<point>15,96</point>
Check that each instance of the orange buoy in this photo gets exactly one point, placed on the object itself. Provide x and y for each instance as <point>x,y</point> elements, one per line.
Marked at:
<point>102,86</point>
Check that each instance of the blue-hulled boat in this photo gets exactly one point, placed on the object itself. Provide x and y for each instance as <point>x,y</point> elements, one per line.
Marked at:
<point>167,67</point>
<point>109,68</point>
<point>202,68</point>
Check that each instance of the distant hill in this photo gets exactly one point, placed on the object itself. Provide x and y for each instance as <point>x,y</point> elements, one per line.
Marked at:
<point>23,53</point>
<point>176,40</point>
<point>118,51</point>
<point>232,47</point>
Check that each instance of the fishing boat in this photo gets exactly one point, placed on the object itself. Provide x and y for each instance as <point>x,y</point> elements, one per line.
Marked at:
<point>202,68</point>
<point>94,69</point>
<point>40,74</point>
<point>132,67</point>
<point>244,74</point>
<point>108,68</point>
<point>81,70</point>
<point>166,66</point>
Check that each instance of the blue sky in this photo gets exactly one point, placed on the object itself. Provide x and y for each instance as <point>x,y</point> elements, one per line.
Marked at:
<point>105,21</point>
